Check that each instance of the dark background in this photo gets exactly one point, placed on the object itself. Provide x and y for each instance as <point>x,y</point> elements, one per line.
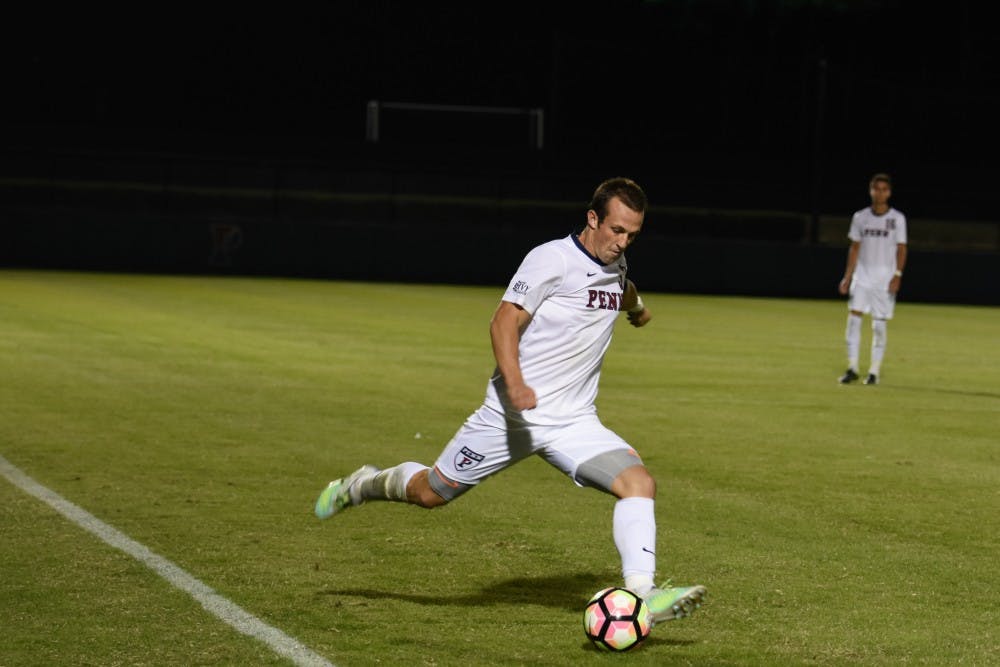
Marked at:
<point>776,106</point>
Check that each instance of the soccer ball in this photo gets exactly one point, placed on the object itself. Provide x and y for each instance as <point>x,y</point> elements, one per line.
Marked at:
<point>616,619</point>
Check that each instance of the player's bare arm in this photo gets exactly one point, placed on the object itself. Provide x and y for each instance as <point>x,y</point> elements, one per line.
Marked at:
<point>638,314</point>
<point>900,263</point>
<point>852,261</point>
<point>508,322</point>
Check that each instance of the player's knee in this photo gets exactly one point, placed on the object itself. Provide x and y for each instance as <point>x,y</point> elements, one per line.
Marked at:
<point>419,491</point>
<point>429,498</point>
<point>619,472</point>
<point>429,488</point>
<point>634,482</point>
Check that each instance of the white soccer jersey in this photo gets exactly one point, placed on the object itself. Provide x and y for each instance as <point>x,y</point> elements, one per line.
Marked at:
<point>879,235</point>
<point>574,300</point>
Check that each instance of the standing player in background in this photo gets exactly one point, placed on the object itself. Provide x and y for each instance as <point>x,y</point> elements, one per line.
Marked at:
<point>550,333</point>
<point>874,272</point>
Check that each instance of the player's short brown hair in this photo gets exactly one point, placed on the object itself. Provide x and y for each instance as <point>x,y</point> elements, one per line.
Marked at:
<point>627,190</point>
<point>881,177</point>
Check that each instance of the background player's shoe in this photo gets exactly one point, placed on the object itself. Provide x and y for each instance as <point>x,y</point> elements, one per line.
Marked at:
<point>336,496</point>
<point>871,379</point>
<point>668,602</point>
<point>848,377</point>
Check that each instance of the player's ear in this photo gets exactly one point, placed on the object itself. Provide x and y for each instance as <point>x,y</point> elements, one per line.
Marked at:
<point>592,219</point>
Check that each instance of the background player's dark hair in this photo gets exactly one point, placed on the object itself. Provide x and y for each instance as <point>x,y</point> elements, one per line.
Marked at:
<point>627,190</point>
<point>880,177</point>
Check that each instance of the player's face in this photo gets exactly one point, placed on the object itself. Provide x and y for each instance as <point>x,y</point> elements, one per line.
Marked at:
<point>608,240</point>
<point>880,193</point>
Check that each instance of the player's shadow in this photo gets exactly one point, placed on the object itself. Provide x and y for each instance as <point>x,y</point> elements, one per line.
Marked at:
<point>955,392</point>
<point>652,640</point>
<point>567,592</point>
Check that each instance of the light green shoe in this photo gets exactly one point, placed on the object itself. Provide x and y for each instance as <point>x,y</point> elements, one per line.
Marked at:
<point>668,602</point>
<point>336,496</point>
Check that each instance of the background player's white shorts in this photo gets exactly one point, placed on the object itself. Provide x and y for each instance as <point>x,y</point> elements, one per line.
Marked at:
<point>487,443</point>
<point>879,303</point>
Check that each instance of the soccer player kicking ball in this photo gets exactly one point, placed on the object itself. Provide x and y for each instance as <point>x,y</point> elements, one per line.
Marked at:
<point>550,333</point>
<point>874,272</point>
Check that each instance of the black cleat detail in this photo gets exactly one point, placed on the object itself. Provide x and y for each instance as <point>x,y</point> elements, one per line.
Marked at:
<point>848,377</point>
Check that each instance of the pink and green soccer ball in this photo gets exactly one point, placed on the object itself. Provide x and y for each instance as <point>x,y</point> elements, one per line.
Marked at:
<point>616,619</point>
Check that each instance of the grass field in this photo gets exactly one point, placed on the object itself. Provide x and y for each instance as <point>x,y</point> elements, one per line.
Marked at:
<point>201,416</point>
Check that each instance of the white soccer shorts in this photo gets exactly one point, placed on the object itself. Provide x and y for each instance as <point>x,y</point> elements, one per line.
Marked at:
<point>879,303</point>
<point>487,443</point>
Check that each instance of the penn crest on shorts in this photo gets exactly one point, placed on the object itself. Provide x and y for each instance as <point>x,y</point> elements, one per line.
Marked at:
<point>466,458</point>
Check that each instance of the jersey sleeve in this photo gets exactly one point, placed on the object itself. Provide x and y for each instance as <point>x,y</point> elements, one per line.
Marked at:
<point>540,273</point>
<point>901,229</point>
<point>854,233</point>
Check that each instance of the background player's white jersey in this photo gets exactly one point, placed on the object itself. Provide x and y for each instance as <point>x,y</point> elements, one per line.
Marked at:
<point>574,301</point>
<point>879,235</point>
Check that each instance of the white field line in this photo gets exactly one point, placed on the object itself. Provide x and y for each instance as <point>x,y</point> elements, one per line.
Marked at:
<point>225,610</point>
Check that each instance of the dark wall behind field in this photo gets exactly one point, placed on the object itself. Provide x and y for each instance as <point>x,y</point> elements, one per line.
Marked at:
<point>230,218</point>
<point>486,256</point>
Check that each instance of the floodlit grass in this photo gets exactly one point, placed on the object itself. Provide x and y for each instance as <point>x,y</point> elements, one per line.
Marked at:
<point>201,416</point>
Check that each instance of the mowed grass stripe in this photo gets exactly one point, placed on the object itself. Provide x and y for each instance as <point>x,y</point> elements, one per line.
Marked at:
<point>832,525</point>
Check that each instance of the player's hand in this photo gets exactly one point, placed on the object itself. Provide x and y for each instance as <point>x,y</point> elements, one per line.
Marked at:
<point>894,285</point>
<point>844,286</point>
<point>522,397</point>
<point>640,318</point>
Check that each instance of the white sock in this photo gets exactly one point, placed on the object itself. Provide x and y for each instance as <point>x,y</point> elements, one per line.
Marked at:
<point>853,336</point>
<point>879,338</point>
<point>389,484</point>
<point>639,584</point>
<point>634,529</point>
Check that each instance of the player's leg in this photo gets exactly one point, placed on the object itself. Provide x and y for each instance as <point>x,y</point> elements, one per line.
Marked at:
<point>857,306</point>
<point>879,337</point>
<point>407,482</point>
<point>401,483</point>
<point>367,482</point>
<point>634,529</point>
<point>480,448</point>
<point>593,455</point>
<point>883,306</point>
<point>620,472</point>
<point>634,525</point>
<point>852,337</point>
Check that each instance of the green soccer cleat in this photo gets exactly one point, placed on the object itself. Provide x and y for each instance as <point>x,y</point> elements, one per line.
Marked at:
<point>336,496</point>
<point>669,603</point>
